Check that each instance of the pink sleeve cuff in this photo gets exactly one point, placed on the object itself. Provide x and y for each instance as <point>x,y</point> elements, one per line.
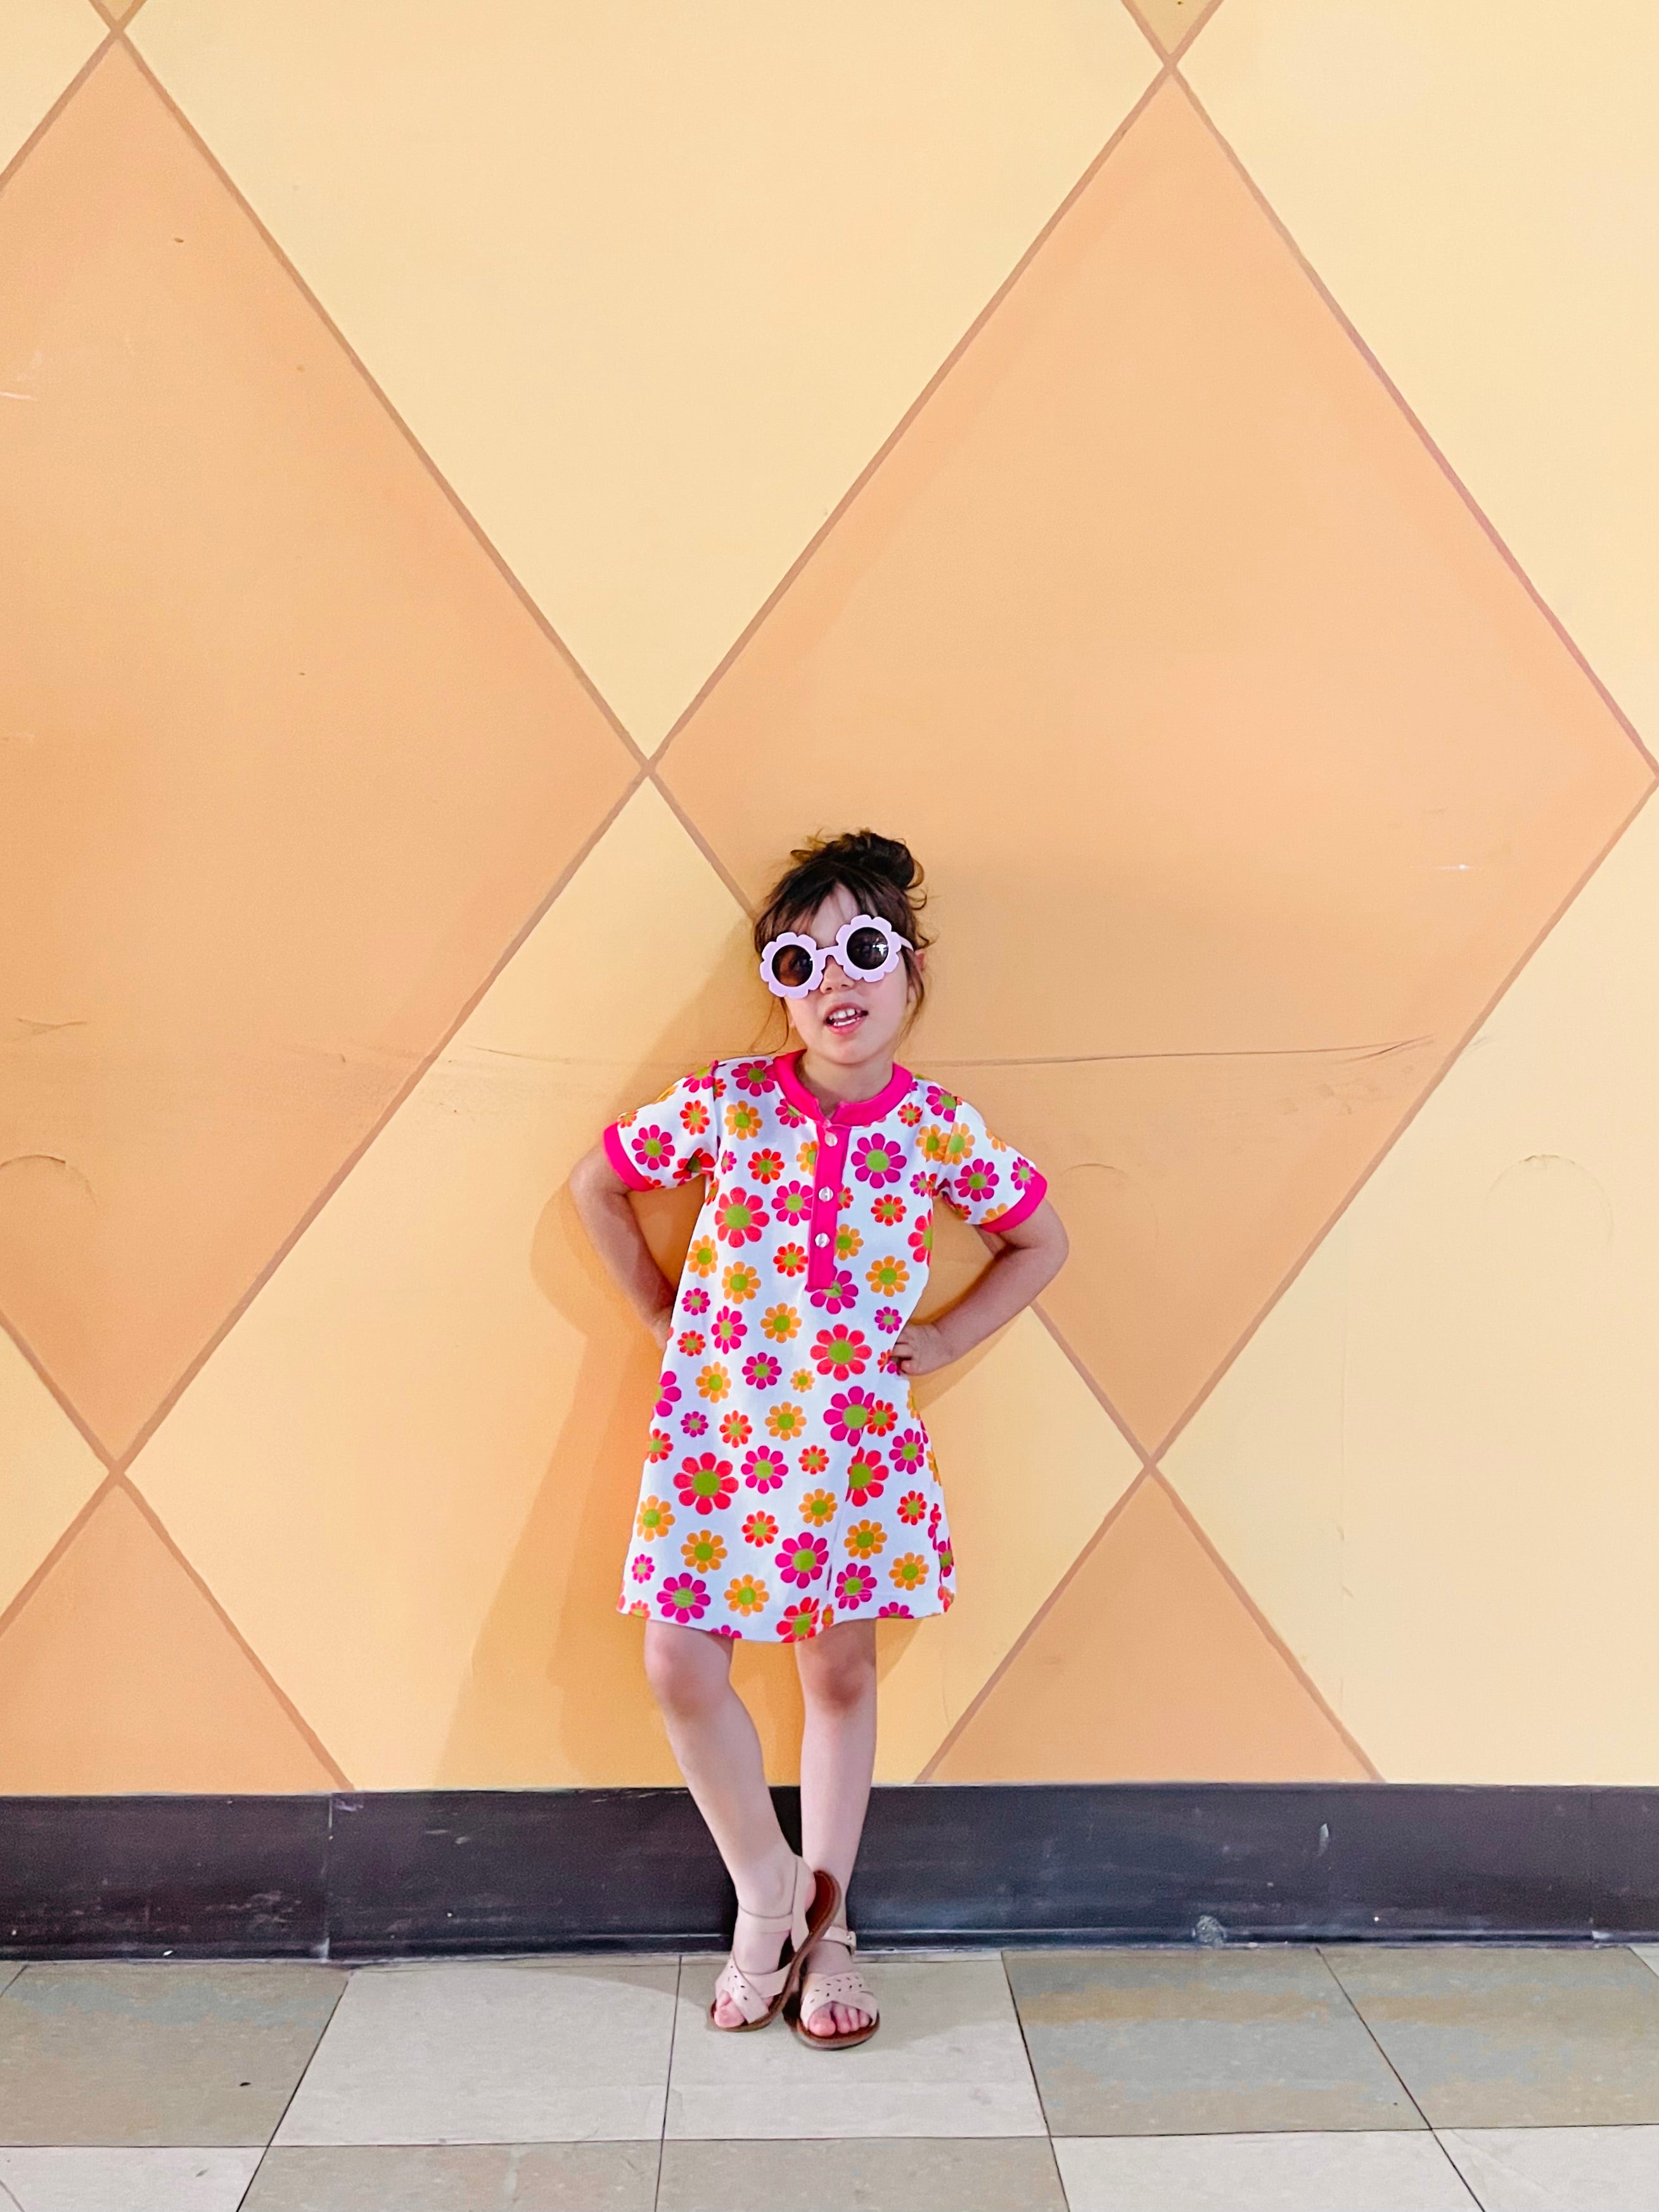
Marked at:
<point>1027,1203</point>
<point>617,1153</point>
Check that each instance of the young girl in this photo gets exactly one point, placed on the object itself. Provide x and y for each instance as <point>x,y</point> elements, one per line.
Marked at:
<point>789,1491</point>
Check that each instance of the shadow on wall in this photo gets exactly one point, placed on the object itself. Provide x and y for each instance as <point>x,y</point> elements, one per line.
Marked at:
<point>556,1689</point>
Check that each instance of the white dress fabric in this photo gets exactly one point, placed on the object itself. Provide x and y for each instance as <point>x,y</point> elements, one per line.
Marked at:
<point>789,1483</point>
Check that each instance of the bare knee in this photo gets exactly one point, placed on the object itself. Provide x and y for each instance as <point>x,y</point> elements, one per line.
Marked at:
<point>689,1678</point>
<point>838,1677</point>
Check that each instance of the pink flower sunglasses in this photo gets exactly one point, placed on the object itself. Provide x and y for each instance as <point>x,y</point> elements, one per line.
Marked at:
<point>866,948</point>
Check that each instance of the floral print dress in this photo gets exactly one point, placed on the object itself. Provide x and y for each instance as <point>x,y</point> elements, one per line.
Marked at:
<point>789,1482</point>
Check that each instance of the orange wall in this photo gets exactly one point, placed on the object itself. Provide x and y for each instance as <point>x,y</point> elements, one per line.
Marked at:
<point>480,484</point>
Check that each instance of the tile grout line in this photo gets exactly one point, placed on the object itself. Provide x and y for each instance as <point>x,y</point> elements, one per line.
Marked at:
<point>1031,2067</point>
<point>1432,2132</point>
<point>668,2076</point>
<point>345,1973</point>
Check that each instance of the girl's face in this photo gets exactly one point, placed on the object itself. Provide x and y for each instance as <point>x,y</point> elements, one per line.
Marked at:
<point>848,1023</point>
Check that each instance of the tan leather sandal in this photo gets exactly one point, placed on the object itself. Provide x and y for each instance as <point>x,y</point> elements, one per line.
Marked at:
<point>845,1987</point>
<point>761,1996</point>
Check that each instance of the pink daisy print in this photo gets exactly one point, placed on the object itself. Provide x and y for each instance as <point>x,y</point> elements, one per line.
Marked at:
<point>888,1318</point>
<point>684,1598</point>
<point>893,1611</point>
<point>765,1166</point>
<point>837,1295</point>
<point>695,1302</point>
<point>801,1559</point>
<point>912,1508</point>
<point>761,1371</point>
<point>866,1476</point>
<point>654,1148</point>
<point>760,1529</point>
<point>841,1352</point>
<point>909,1451</point>
<point>739,1219</point>
<point>855,1585</point>
<point>668,1394</point>
<point>850,1412</point>
<point>878,1160</point>
<point>643,1567</point>
<point>754,1076</point>
<point>706,1483</point>
<point>799,1621</point>
<point>728,1328</point>
<point>694,1423</point>
<point>793,1204</point>
<point>765,1469</point>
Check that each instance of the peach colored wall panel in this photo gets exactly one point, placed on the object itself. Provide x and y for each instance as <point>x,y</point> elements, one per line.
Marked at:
<point>47,1471</point>
<point>1434,1465</point>
<point>295,761</point>
<point>1147,1666</point>
<point>42,44</point>
<point>1032,1464</point>
<point>1479,185</point>
<point>652,285</point>
<point>408,1471</point>
<point>1227,733</point>
<point>1172,23</point>
<point>117,1674</point>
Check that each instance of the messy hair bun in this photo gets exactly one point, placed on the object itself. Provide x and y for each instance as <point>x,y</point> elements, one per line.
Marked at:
<point>881,873</point>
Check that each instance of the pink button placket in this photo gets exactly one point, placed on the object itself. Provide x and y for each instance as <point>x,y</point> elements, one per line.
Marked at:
<point>830,1169</point>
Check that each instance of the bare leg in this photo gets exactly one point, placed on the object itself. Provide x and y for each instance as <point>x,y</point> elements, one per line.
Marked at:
<point>718,1752</point>
<point>837,1759</point>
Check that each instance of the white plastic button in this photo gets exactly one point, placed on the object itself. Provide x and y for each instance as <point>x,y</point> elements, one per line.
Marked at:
<point>832,1136</point>
<point>822,1237</point>
<point>826,1194</point>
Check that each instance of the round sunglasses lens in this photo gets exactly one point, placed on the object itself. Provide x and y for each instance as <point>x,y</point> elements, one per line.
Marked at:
<point>867,948</point>
<point>791,966</point>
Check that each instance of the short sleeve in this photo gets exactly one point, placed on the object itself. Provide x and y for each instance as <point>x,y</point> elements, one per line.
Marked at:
<point>985,1181</point>
<point>673,1140</point>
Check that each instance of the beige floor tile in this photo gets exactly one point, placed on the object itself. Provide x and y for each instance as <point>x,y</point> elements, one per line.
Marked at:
<point>1358,2171</point>
<point>1014,2174</point>
<point>165,2052</point>
<point>1648,1953</point>
<point>1559,2169</point>
<point>538,2051</point>
<point>1184,2043</point>
<point>82,2180</point>
<point>10,1970</point>
<point>1523,2038</point>
<point>566,2177</point>
<point>947,2060</point>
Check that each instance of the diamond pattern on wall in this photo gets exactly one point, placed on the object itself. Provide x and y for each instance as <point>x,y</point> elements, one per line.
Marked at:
<point>651,286</point>
<point>1245,768</point>
<point>292,760</point>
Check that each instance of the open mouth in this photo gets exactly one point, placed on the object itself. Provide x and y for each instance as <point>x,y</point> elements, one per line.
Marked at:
<point>846,1017</point>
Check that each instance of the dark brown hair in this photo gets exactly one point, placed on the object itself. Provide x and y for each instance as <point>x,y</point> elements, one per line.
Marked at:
<point>882,874</point>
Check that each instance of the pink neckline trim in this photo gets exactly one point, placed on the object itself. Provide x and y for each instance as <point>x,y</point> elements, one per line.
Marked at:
<point>857,1110</point>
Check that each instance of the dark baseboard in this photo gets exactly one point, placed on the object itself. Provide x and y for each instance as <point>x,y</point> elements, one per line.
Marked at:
<point>463,1870</point>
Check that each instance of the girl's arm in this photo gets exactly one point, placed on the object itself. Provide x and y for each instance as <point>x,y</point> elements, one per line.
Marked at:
<point>1027,1257</point>
<point>607,1214</point>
